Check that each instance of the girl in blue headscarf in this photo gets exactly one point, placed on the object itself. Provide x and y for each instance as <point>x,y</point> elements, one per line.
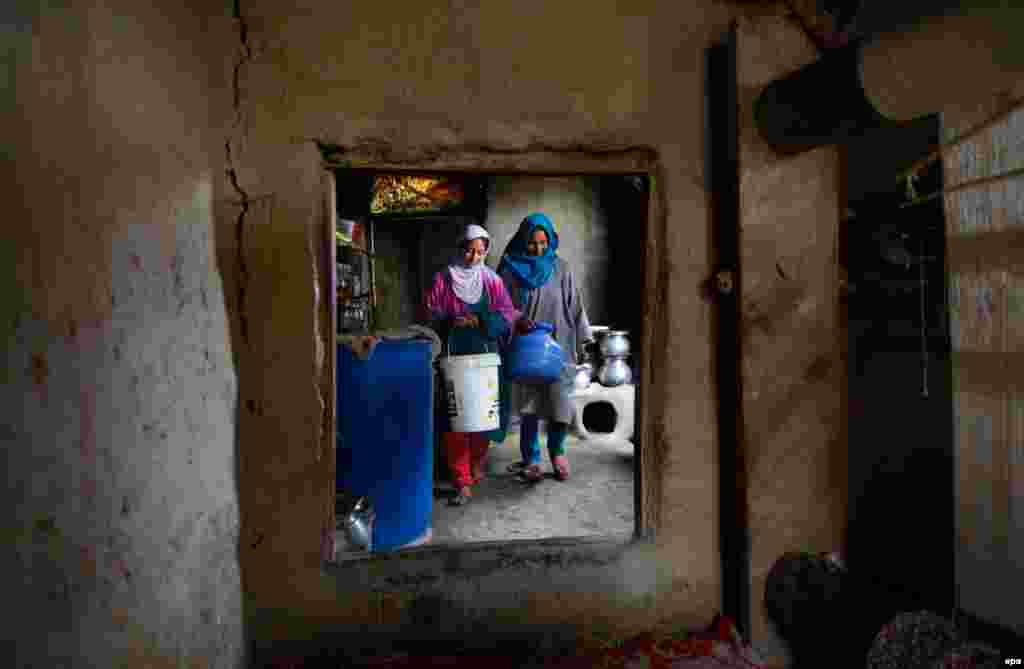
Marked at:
<point>543,288</point>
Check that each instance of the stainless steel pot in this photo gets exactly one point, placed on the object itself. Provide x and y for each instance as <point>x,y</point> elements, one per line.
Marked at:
<point>615,343</point>
<point>615,372</point>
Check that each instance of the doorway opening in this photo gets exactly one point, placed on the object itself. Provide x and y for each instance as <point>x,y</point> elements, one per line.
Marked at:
<point>394,231</point>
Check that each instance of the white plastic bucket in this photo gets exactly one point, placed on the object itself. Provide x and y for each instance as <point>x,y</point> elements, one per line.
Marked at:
<point>471,388</point>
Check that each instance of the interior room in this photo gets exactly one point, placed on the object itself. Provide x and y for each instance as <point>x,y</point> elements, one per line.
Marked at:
<point>395,233</point>
<point>804,216</point>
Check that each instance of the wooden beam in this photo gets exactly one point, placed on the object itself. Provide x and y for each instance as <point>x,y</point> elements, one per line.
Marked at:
<point>723,113</point>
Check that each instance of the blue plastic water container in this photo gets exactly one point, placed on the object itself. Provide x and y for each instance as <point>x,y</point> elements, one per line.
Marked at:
<point>386,435</point>
<point>534,358</point>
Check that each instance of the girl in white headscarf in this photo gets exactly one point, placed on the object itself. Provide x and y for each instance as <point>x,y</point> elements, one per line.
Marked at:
<point>470,308</point>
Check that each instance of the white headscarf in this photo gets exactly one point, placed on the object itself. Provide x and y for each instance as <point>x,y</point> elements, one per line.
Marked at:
<point>468,280</point>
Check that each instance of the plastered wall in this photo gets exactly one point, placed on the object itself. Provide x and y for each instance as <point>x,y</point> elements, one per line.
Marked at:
<point>415,87</point>
<point>395,274</point>
<point>410,91</point>
<point>122,518</point>
<point>423,87</point>
<point>793,370</point>
<point>119,514</point>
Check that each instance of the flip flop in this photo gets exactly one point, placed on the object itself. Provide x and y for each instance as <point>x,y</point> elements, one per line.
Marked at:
<point>533,473</point>
<point>561,466</point>
<point>479,475</point>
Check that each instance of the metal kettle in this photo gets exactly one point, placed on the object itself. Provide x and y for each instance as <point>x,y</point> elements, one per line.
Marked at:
<point>355,517</point>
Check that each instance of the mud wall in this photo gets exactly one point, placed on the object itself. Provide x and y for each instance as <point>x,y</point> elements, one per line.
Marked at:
<point>457,88</point>
<point>454,88</point>
<point>794,371</point>
<point>120,513</point>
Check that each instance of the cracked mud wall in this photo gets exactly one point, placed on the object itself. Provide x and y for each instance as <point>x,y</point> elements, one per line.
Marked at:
<point>120,519</point>
<point>794,372</point>
<point>416,86</point>
<point>486,88</point>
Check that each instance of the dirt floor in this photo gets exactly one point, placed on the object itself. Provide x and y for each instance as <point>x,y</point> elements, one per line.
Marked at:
<point>597,500</point>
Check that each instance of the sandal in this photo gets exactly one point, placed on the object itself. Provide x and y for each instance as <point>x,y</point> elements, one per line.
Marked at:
<point>516,467</point>
<point>561,466</point>
<point>533,473</point>
<point>462,497</point>
<point>479,475</point>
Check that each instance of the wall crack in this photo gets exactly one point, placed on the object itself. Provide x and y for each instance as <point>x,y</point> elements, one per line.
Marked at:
<point>245,57</point>
<point>319,353</point>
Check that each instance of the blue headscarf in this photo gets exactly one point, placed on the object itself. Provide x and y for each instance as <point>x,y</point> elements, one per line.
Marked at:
<point>531,271</point>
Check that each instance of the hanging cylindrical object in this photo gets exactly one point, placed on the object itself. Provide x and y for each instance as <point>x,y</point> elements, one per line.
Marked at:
<point>910,60</point>
<point>954,59</point>
<point>820,104</point>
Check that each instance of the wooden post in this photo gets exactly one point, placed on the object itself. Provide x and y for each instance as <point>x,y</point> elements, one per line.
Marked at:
<point>723,109</point>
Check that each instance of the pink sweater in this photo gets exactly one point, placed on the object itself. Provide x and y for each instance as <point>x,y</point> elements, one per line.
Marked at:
<point>441,302</point>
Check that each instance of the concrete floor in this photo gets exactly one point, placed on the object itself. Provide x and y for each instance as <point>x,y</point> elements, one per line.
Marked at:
<point>597,500</point>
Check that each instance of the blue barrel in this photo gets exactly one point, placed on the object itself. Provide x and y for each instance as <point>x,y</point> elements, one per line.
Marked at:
<point>385,437</point>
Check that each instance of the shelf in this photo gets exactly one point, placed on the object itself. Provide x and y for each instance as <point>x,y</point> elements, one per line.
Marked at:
<point>356,249</point>
<point>365,299</point>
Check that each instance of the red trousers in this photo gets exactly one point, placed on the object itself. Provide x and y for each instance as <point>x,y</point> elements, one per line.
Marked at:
<point>466,452</point>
